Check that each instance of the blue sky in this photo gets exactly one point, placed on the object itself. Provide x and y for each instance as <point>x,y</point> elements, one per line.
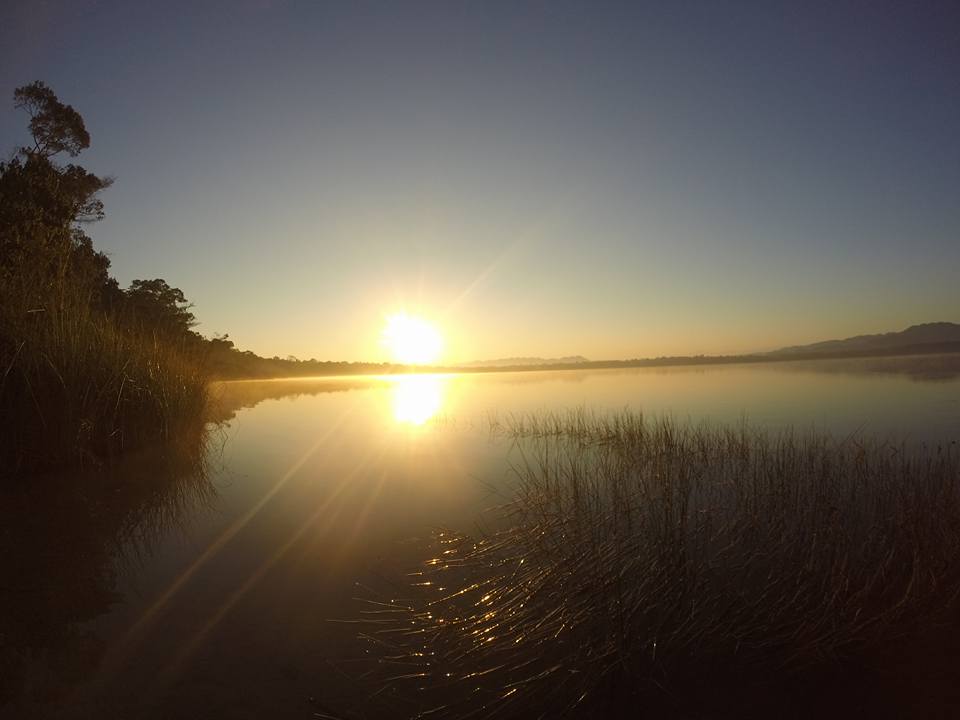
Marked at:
<point>612,180</point>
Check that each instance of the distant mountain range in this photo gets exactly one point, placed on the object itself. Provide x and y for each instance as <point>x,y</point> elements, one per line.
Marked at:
<point>929,338</point>
<point>921,338</point>
<point>524,361</point>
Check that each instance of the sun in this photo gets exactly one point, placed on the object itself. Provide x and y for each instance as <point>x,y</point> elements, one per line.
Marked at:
<point>411,340</point>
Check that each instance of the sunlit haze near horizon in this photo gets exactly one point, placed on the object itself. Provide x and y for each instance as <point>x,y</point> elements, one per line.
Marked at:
<point>532,179</point>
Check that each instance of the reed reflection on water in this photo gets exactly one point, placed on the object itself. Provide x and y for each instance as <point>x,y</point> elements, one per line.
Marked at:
<point>63,564</point>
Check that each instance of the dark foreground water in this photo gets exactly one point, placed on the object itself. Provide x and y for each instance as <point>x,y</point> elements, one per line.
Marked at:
<point>213,587</point>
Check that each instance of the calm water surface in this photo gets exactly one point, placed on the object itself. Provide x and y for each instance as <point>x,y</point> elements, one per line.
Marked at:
<point>216,596</point>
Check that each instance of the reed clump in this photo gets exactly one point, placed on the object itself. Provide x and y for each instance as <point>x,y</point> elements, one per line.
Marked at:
<point>77,384</point>
<point>645,561</point>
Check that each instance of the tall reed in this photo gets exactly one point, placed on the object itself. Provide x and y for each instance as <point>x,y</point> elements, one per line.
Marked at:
<point>644,558</point>
<point>76,384</point>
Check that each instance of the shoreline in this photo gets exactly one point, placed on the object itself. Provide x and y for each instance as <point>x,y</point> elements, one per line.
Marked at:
<point>373,370</point>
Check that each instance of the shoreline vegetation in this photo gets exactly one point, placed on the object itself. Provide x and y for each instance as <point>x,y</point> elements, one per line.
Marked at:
<point>936,338</point>
<point>232,364</point>
<point>87,369</point>
<point>779,574</point>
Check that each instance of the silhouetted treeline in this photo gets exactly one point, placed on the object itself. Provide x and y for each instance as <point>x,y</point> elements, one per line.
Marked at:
<point>226,362</point>
<point>86,368</point>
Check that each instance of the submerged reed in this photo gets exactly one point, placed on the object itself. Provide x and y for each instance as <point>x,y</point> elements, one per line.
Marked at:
<point>644,559</point>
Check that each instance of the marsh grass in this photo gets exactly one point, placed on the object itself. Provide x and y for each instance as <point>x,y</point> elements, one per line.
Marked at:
<point>77,385</point>
<point>645,564</point>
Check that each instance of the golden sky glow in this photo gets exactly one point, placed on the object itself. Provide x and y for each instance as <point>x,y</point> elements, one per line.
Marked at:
<point>493,185</point>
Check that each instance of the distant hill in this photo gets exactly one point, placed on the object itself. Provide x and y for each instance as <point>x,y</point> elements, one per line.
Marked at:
<point>523,361</point>
<point>920,338</point>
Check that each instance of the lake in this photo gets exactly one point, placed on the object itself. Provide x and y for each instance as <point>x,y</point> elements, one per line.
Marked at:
<point>177,594</point>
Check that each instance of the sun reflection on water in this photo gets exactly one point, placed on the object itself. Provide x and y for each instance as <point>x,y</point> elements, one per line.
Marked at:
<point>417,398</point>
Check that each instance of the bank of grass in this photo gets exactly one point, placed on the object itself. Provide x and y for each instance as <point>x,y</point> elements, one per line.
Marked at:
<point>646,566</point>
<point>78,385</point>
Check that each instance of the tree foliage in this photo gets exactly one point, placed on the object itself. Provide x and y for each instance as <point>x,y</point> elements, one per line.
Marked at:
<point>45,255</point>
<point>55,127</point>
<point>156,305</point>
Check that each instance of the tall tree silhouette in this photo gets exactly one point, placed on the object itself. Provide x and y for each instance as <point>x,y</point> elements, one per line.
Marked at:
<point>55,127</point>
<point>44,252</point>
<point>86,369</point>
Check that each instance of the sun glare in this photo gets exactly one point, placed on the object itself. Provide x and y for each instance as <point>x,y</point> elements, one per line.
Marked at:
<point>417,398</point>
<point>411,340</point>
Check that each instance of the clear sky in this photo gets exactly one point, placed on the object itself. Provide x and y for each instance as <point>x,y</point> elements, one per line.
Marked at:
<point>550,178</point>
